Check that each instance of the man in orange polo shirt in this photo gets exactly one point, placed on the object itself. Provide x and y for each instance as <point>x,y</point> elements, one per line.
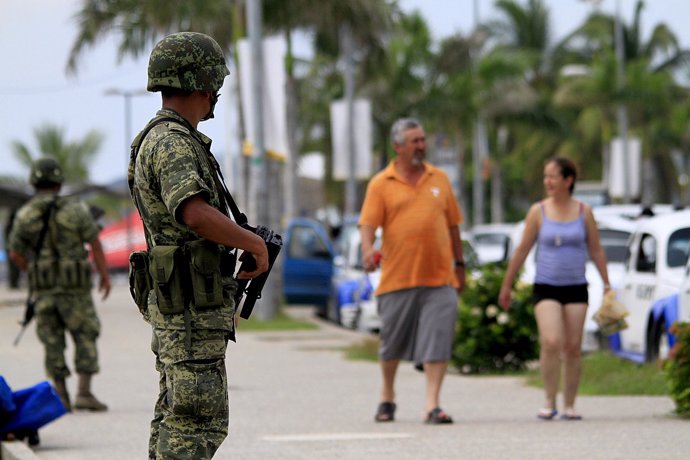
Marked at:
<point>422,265</point>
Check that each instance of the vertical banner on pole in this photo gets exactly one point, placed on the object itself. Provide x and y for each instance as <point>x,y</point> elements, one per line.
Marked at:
<point>625,171</point>
<point>275,115</point>
<point>362,143</point>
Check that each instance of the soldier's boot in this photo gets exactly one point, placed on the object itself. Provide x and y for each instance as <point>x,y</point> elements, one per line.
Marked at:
<point>61,390</point>
<point>85,399</point>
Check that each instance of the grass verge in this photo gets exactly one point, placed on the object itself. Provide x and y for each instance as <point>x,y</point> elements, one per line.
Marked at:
<point>604,374</point>
<point>281,322</point>
<point>365,350</point>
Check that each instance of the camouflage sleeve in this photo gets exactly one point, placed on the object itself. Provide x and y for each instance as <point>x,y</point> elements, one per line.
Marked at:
<point>176,163</point>
<point>25,230</point>
<point>88,227</point>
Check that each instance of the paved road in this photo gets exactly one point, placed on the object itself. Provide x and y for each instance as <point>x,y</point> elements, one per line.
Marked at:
<point>294,396</point>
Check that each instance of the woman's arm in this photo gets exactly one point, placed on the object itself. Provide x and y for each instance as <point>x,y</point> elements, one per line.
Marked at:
<point>529,237</point>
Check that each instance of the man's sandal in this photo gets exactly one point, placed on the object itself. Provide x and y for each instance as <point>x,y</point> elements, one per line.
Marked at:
<point>437,417</point>
<point>385,412</point>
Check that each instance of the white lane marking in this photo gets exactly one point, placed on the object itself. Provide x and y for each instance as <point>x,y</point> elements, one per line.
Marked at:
<point>333,437</point>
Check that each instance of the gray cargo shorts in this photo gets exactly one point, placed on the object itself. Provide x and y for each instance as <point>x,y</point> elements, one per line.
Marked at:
<point>418,324</point>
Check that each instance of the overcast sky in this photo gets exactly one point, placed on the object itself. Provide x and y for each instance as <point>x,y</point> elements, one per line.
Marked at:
<point>36,35</point>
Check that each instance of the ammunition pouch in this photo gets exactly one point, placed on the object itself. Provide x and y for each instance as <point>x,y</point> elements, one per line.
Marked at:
<point>182,275</point>
<point>167,274</point>
<point>63,273</point>
<point>74,274</point>
<point>140,282</point>
<point>43,274</point>
<point>204,273</point>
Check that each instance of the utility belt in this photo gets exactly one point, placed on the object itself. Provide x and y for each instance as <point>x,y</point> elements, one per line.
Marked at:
<point>182,275</point>
<point>64,273</point>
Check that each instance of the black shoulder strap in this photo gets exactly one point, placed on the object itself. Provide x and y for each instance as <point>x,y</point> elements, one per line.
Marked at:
<point>135,149</point>
<point>239,217</point>
<point>46,220</point>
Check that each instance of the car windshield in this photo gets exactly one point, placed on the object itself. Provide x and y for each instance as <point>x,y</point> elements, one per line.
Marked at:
<point>615,244</point>
<point>678,248</point>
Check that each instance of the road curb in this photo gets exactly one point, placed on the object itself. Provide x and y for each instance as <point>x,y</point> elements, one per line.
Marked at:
<point>16,450</point>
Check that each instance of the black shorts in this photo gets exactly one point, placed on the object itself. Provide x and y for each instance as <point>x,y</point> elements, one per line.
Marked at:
<point>572,293</point>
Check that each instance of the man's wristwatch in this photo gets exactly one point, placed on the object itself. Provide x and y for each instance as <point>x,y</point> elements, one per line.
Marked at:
<point>459,264</point>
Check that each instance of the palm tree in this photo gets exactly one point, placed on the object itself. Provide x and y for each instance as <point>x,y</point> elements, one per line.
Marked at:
<point>649,91</point>
<point>74,156</point>
<point>517,80</point>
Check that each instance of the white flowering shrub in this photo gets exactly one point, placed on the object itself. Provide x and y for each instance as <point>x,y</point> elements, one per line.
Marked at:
<point>489,339</point>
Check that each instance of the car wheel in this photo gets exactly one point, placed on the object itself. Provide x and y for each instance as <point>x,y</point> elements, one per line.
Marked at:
<point>657,342</point>
<point>332,311</point>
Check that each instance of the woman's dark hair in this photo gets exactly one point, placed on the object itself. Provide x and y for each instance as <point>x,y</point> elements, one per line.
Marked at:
<point>567,168</point>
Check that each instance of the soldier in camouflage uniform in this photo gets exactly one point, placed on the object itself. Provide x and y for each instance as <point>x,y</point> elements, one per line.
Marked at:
<point>60,278</point>
<point>189,236</point>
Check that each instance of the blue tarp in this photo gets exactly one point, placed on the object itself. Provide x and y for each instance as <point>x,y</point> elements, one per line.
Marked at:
<point>29,408</point>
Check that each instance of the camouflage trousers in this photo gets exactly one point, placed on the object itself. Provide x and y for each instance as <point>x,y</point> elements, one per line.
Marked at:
<point>75,313</point>
<point>191,414</point>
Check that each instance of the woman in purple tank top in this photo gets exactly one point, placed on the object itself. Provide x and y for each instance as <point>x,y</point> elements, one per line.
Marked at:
<point>564,231</point>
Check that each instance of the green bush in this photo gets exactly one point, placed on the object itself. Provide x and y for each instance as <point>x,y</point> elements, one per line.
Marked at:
<point>678,368</point>
<point>489,339</point>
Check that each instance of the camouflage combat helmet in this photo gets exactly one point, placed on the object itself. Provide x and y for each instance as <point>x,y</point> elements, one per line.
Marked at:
<point>46,171</point>
<point>187,60</point>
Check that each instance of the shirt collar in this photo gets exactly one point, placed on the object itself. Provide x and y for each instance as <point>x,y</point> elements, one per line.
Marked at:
<point>391,173</point>
<point>167,112</point>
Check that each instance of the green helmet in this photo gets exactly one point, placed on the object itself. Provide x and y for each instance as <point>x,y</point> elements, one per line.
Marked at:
<point>46,171</point>
<point>187,60</point>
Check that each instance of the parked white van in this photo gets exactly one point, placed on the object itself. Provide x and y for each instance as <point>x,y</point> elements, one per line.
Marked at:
<point>655,268</point>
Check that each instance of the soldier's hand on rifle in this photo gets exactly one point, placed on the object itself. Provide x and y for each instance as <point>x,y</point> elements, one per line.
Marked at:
<point>261,259</point>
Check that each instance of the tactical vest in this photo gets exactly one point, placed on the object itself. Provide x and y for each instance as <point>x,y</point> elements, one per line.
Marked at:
<point>57,271</point>
<point>180,276</point>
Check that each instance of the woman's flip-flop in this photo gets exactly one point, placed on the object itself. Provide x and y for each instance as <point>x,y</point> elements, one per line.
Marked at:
<point>546,414</point>
<point>437,417</point>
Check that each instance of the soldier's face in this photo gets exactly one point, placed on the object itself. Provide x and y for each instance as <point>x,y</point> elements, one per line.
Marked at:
<point>213,100</point>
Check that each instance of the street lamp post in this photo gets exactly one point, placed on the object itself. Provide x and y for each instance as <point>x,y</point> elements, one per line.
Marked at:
<point>127,95</point>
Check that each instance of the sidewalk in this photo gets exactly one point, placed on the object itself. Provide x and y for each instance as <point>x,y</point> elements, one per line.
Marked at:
<point>293,396</point>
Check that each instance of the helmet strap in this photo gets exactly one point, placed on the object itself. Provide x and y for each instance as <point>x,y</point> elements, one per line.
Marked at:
<point>214,101</point>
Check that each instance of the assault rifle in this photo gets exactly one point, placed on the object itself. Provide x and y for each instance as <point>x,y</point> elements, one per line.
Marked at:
<point>252,287</point>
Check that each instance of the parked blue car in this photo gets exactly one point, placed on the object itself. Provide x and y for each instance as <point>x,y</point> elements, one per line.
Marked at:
<point>308,264</point>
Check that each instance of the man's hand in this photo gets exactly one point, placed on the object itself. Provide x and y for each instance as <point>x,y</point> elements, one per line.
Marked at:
<point>104,286</point>
<point>19,260</point>
<point>460,275</point>
<point>371,260</point>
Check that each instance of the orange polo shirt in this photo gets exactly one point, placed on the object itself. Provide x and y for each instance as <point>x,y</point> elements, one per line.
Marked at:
<point>417,249</point>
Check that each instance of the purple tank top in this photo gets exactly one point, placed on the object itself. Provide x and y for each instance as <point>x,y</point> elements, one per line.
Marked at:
<point>561,251</point>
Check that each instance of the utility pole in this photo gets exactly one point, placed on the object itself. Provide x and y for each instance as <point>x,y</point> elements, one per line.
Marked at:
<point>621,111</point>
<point>349,77</point>
<point>478,147</point>
<point>259,180</point>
